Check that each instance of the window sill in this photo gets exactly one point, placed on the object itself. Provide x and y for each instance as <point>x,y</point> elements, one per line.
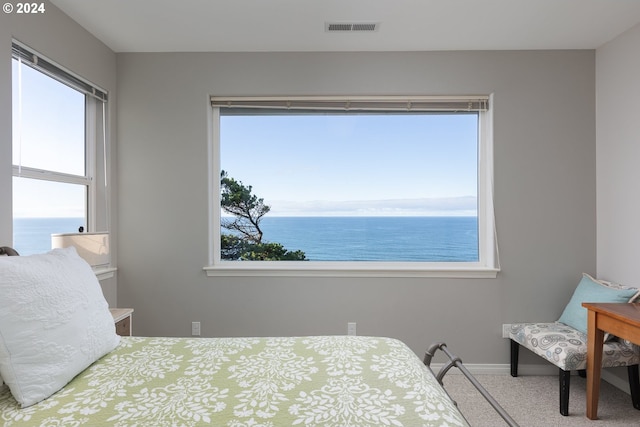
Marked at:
<point>347,269</point>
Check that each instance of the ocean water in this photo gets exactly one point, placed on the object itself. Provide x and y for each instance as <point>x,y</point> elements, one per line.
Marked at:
<point>33,235</point>
<point>434,239</point>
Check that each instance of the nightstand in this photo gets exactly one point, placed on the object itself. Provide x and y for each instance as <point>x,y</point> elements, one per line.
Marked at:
<point>122,319</point>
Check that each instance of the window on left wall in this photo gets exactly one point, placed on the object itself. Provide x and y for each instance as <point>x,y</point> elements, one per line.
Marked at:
<point>58,133</point>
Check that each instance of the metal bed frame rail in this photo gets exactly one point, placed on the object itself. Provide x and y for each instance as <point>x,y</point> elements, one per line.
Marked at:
<point>457,362</point>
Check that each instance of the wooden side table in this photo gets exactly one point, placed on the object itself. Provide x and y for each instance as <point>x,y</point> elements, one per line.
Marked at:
<point>620,319</point>
<point>122,319</point>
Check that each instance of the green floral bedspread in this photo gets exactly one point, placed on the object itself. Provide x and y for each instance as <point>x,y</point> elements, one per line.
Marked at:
<point>329,381</point>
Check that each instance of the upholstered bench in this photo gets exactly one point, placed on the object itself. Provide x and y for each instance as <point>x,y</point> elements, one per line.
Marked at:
<point>566,348</point>
<point>564,342</point>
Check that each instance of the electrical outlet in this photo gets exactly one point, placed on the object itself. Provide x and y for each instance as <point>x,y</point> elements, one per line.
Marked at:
<point>351,328</point>
<point>195,329</point>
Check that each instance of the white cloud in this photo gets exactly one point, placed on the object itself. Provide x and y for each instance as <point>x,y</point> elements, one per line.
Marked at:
<point>437,206</point>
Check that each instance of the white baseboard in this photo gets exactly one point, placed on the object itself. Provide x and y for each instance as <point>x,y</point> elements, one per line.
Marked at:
<point>523,370</point>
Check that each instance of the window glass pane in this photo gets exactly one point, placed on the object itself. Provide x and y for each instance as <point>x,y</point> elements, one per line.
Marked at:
<point>42,208</point>
<point>48,122</point>
<point>356,187</point>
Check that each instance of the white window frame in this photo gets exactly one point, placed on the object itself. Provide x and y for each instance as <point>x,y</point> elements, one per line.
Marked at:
<point>486,267</point>
<point>95,132</point>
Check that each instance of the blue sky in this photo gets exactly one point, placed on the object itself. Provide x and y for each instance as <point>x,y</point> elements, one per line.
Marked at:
<point>391,165</point>
<point>48,133</point>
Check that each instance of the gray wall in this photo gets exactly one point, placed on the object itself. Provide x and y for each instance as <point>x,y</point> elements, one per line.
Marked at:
<point>618,155</point>
<point>618,150</point>
<point>55,35</point>
<point>545,196</point>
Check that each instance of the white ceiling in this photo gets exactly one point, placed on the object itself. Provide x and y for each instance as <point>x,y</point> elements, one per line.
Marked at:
<point>299,25</point>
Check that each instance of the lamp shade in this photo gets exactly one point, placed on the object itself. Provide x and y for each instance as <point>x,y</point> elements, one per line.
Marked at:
<point>92,247</point>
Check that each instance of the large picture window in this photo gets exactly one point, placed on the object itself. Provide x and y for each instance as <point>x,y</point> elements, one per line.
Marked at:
<point>57,121</point>
<point>335,184</point>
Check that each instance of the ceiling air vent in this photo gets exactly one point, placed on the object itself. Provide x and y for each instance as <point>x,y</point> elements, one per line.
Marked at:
<point>332,27</point>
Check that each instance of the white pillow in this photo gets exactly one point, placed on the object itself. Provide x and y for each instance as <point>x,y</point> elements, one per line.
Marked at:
<point>54,322</point>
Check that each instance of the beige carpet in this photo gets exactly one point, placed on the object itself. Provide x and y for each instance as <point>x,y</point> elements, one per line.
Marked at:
<point>533,401</point>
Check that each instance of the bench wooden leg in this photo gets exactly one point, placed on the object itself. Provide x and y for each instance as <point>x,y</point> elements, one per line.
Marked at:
<point>565,381</point>
<point>515,348</point>
<point>634,385</point>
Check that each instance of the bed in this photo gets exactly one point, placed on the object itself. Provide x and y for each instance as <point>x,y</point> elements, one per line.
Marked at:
<point>325,380</point>
<point>332,381</point>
